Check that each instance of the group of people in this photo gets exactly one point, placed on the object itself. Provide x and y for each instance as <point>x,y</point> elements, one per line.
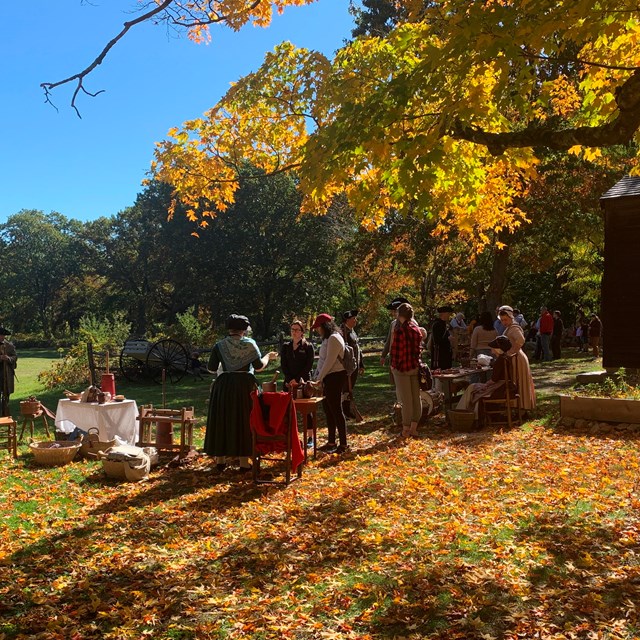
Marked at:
<point>228,434</point>
<point>238,357</point>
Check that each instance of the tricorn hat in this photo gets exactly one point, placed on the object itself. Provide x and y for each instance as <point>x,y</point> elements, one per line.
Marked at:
<point>445,309</point>
<point>352,313</point>
<point>237,323</point>
<point>396,302</point>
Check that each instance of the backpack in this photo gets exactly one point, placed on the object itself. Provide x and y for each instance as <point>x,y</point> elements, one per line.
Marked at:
<point>348,360</point>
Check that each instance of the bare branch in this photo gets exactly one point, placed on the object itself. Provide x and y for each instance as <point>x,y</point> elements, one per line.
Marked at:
<point>171,16</point>
<point>79,77</point>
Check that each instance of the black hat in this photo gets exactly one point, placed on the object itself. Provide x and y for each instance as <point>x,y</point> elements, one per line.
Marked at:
<point>396,302</point>
<point>350,314</point>
<point>501,342</point>
<point>4,332</point>
<point>446,309</point>
<point>237,323</point>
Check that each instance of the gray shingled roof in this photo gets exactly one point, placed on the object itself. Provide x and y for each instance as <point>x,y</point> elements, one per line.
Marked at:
<point>628,187</point>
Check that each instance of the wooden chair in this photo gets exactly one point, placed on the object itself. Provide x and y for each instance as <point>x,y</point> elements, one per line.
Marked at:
<point>156,429</point>
<point>266,447</point>
<point>8,435</point>
<point>507,410</point>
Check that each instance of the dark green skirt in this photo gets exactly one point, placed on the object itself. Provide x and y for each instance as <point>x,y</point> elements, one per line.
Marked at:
<point>228,432</point>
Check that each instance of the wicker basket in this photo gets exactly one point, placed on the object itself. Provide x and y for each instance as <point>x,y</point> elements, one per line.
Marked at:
<point>461,419</point>
<point>29,407</point>
<point>91,444</point>
<point>54,454</point>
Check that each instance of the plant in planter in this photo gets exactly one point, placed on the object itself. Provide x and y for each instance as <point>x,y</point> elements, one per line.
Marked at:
<point>615,399</point>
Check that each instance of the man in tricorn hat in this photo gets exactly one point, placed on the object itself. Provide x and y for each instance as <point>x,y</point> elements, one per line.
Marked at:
<point>349,321</point>
<point>441,351</point>
<point>8,359</point>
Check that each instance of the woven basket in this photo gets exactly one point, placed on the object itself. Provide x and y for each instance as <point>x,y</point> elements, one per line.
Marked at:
<point>91,444</point>
<point>29,407</point>
<point>461,419</point>
<point>54,454</point>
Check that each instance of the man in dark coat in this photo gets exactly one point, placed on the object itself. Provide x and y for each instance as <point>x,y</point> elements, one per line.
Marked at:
<point>349,321</point>
<point>8,359</point>
<point>441,350</point>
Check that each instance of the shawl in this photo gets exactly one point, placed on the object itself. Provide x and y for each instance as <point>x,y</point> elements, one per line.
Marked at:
<point>237,353</point>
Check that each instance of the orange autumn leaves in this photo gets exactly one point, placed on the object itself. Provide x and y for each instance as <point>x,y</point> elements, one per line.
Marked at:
<point>532,533</point>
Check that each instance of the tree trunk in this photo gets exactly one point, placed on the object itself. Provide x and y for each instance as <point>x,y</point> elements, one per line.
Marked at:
<point>498,282</point>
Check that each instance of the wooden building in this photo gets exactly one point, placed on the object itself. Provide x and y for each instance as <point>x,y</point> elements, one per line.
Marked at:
<point>621,279</point>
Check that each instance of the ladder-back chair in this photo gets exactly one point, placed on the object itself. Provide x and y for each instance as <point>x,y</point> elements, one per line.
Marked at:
<point>507,410</point>
<point>274,431</point>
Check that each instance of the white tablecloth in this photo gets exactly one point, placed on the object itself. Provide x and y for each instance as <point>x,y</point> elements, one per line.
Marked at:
<point>111,419</point>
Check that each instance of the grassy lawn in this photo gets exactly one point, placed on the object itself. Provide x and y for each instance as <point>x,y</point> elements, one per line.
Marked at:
<point>532,533</point>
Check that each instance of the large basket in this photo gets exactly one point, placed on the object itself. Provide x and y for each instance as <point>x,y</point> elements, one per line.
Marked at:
<point>54,454</point>
<point>91,444</point>
<point>461,419</point>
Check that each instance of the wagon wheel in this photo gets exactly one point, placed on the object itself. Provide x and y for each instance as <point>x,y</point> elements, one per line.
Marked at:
<point>132,367</point>
<point>170,356</point>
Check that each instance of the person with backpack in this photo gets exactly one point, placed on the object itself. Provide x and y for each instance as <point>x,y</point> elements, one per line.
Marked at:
<point>8,361</point>
<point>332,376</point>
<point>349,321</point>
<point>406,344</point>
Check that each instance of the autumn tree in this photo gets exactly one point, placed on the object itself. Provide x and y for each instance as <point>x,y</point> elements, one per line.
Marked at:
<point>40,256</point>
<point>443,116</point>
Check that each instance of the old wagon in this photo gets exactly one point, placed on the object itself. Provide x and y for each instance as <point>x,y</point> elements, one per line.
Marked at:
<point>141,360</point>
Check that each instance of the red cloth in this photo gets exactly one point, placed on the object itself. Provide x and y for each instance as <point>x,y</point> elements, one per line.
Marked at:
<point>277,404</point>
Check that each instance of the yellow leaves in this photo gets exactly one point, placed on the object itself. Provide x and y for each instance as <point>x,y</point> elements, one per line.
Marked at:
<point>591,154</point>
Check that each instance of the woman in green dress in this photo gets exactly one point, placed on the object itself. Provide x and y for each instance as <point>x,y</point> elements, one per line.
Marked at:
<point>233,360</point>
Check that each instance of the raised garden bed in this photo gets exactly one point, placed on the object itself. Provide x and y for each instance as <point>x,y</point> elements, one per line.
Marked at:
<point>600,409</point>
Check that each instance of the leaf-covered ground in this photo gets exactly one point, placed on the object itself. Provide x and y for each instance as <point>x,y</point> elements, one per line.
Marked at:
<point>532,533</point>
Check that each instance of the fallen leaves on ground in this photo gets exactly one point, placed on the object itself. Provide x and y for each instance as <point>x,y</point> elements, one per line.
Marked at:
<point>532,533</point>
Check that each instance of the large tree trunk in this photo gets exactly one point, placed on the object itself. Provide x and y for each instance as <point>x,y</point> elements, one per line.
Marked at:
<point>498,282</point>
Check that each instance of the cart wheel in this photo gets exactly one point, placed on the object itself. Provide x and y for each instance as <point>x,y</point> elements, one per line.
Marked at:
<point>132,368</point>
<point>170,356</point>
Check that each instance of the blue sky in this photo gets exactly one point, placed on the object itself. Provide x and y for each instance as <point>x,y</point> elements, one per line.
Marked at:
<point>86,168</point>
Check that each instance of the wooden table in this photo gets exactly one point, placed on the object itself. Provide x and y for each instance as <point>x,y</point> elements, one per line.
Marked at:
<point>309,407</point>
<point>447,380</point>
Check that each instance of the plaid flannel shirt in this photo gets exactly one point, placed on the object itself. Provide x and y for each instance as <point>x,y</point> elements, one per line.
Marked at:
<point>405,348</point>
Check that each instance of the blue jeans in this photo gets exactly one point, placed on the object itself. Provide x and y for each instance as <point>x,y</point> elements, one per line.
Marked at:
<point>545,338</point>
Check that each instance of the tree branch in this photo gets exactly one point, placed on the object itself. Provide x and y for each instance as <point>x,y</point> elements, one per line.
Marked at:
<point>619,131</point>
<point>170,16</point>
<point>79,77</point>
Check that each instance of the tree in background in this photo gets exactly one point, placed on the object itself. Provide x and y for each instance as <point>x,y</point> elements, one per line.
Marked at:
<point>39,259</point>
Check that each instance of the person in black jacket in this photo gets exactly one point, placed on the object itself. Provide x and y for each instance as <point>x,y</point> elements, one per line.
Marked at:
<point>556,335</point>
<point>349,321</point>
<point>441,350</point>
<point>296,356</point>
<point>8,359</point>
<point>296,361</point>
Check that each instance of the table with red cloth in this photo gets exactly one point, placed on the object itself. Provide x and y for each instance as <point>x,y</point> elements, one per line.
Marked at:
<point>268,418</point>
